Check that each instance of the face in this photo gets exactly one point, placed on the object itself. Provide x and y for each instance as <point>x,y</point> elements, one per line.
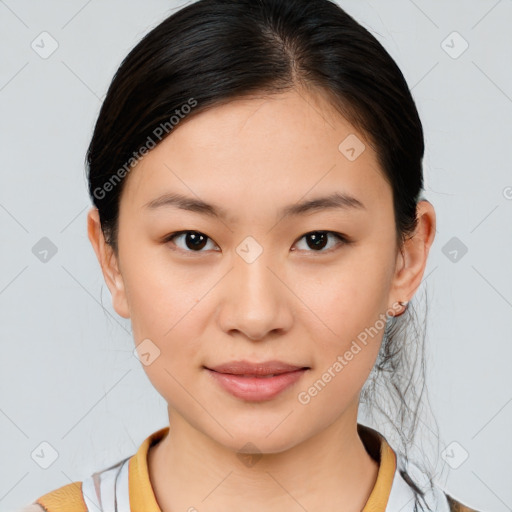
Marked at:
<point>254,281</point>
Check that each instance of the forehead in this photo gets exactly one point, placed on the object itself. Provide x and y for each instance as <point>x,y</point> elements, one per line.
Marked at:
<point>266,149</point>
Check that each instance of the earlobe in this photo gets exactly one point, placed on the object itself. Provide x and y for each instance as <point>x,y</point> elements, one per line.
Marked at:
<point>108,263</point>
<point>412,258</point>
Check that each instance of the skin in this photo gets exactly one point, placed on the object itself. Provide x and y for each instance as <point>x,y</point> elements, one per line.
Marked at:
<point>294,303</point>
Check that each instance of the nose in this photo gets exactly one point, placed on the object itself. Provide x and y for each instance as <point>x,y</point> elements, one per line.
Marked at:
<point>255,300</point>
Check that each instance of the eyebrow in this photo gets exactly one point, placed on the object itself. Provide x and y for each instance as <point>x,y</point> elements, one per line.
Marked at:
<point>336,200</point>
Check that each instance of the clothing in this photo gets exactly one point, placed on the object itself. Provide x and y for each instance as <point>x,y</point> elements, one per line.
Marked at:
<point>126,487</point>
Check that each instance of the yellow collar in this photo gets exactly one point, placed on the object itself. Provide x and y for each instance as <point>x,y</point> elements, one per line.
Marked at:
<point>142,497</point>
<point>379,449</point>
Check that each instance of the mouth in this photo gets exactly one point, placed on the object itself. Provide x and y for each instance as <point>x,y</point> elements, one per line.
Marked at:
<point>256,369</point>
<point>256,382</point>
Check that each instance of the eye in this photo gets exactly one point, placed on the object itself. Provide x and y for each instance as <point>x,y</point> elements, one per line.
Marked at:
<point>319,239</point>
<point>193,241</point>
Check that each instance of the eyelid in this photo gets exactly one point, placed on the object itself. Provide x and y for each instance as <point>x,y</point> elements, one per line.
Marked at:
<point>343,240</point>
<point>168,238</point>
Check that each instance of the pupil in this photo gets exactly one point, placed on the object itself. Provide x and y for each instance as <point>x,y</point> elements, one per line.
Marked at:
<point>319,239</point>
<point>197,240</point>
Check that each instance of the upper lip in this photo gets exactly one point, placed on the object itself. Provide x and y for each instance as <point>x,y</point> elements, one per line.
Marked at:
<point>250,368</point>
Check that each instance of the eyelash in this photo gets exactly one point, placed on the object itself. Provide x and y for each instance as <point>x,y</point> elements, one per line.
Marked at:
<point>343,240</point>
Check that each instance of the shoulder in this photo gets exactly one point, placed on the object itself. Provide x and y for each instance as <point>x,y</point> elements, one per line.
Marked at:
<point>68,498</point>
<point>94,493</point>
<point>414,484</point>
<point>33,507</point>
<point>457,506</point>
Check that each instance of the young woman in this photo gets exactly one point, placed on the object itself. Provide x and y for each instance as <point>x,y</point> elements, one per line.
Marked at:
<point>256,174</point>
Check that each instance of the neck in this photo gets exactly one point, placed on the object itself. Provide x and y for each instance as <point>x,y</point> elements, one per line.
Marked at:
<point>329,471</point>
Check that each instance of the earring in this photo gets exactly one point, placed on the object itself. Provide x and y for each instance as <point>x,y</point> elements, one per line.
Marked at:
<point>404,304</point>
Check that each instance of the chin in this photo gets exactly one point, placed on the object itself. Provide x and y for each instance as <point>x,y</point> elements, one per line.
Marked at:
<point>258,438</point>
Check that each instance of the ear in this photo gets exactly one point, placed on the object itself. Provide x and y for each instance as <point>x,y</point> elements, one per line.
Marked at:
<point>412,257</point>
<point>108,262</point>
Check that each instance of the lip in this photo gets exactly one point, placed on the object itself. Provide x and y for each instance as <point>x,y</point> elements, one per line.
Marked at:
<point>252,381</point>
<point>260,369</point>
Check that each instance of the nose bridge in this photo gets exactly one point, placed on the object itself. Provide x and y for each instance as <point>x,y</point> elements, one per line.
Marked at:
<point>255,300</point>
<point>252,261</point>
<point>255,277</point>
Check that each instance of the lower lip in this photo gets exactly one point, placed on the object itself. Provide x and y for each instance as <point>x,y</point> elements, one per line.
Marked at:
<point>256,389</point>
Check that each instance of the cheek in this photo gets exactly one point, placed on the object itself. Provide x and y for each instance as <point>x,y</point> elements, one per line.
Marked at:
<point>163,302</point>
<point>346,299</point>
<point>345,317</point>
<point>162,306</point>
<point>160,295</point>
<point>347,331</point>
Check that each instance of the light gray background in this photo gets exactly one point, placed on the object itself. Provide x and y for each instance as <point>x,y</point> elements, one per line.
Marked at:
<point>67,372</point>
